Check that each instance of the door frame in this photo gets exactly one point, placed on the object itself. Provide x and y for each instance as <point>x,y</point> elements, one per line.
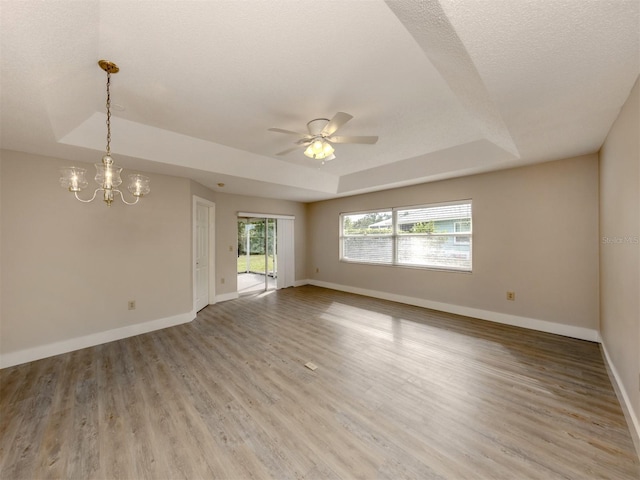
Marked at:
<point>289,255</point>
<point>211,206</point>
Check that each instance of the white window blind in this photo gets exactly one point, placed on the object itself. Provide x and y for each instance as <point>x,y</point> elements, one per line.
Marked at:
<point>367,237</point>
<point>429,236</point>
<point>286,253</point>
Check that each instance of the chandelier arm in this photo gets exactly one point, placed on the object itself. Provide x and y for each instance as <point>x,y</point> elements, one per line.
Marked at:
<point>91,199</point>
<point>122,198</point>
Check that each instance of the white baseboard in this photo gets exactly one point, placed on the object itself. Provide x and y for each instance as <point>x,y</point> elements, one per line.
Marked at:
<point>630,414</point>
<point>43,351</point>
<point>504,318</point>
<point>226,296</point>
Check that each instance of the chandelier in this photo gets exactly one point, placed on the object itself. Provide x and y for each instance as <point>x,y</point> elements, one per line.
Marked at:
<point>107,173</point>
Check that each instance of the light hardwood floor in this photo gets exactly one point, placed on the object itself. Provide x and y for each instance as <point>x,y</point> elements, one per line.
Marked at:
<point>400,392</point>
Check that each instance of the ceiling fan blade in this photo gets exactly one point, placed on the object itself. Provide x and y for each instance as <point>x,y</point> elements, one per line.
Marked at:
<point>354,139</point>
<point>335,123</point>
<point>288,132</point>
<point>289,150</point>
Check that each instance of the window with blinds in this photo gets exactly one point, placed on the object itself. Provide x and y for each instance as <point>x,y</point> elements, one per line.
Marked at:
<point>427,236</point>
<point>367,237</point>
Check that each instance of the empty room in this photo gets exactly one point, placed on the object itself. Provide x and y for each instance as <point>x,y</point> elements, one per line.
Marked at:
<point>320,239</point>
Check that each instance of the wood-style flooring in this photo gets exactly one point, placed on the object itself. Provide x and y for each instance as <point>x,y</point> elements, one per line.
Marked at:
<point>400,392</point>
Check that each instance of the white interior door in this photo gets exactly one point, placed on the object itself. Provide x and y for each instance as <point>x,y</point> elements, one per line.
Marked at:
<point>202,256</point>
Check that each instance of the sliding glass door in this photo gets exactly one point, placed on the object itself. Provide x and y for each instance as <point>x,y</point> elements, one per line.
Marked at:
<point>257,258</point>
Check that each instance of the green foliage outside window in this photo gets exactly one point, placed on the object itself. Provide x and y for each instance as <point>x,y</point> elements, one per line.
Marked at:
<point>423,227</point>
<point>362,226</point>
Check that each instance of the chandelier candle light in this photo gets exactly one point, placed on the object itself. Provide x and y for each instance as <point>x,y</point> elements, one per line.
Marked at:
<point>107,173</point>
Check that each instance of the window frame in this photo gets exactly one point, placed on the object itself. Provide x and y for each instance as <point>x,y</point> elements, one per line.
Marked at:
<point>396,235</point>
<point>341,235</point>
<point>463,234</point>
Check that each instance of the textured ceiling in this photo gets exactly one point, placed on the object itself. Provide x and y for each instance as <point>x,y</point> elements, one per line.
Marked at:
<point>451,87</point>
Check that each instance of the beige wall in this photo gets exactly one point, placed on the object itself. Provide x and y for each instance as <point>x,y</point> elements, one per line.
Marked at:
<point>620,250</point>
<point>535,232</point>
<point>69,269</point>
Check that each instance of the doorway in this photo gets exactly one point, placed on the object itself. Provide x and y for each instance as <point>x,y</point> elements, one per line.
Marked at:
<point>257,266</point>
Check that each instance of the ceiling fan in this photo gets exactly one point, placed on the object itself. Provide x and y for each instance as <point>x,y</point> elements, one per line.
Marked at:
<point>319,140</point>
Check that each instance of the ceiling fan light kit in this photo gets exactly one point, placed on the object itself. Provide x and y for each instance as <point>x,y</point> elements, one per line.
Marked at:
<point>319,150</point>
<point>319,140</point>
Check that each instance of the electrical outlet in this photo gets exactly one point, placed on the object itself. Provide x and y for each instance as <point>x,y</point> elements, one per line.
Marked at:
<point>131,304</point>
<point>511,296</point>
<point>317,270</point>
<point>222,281</point>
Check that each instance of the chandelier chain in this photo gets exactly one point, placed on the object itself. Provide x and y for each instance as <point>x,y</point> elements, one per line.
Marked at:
<point>108,113</point>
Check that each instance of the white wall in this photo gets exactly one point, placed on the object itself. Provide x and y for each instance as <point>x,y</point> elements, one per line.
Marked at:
<point>620,252</point>
<point>535,232</point>
<point>69,269</point>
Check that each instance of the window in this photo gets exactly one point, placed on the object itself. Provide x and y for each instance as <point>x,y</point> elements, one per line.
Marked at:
<point>462,227</point>
<point>428,236</point>
<point>367,237</point>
